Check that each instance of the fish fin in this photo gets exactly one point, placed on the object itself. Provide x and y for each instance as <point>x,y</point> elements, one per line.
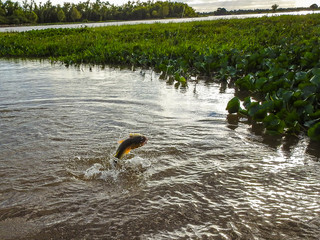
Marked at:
<point>127,151</point>
<point>121,141</point>
<point>134,134</point>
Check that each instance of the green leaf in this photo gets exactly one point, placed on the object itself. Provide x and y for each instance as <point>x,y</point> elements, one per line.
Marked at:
<point>233,105</point>
<point>282,114</point>
<point>253,108</point>
<point>300,103</point>
<point>307,89</point>
<point>247,102</point>
<point>246,83</point>
<point>316,71</point>
<point>231,70</point>
<point>257,111</point>
<point>244,112</point>
<point>278,104</point>
<point>315,114</point>
<point>301,76</point>
<point>316,80</point>
<point>179,78</point>
<point>314,132</point>
<point>182,79</point>
<point>260,115</point>
<point>294,127</point>
<point>297,94</point>
<point>308,55</point>
<point>268,105</point>
<point>292,117</point>
<point>308,109</point>
<point>286,95</point>
<point>260,82</point>
<point>274,124</point>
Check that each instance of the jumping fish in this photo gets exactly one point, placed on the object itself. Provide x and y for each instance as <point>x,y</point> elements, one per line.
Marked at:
<point>134,141</point>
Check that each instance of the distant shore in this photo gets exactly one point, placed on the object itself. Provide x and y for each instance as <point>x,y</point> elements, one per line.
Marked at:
<point>28,27</point>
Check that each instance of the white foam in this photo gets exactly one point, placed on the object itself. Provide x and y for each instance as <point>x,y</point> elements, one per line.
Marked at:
<point>93,172</point>
<point>109,174</point>
<point>97,171</point>
<point>138,162</point>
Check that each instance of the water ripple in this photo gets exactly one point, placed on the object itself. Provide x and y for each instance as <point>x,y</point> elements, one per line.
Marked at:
<point>202,175</point>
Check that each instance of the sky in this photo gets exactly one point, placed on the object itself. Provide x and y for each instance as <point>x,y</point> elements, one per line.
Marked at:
<point>212,5</point>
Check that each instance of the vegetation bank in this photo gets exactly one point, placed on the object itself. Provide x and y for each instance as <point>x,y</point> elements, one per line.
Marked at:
<point>275,61</point>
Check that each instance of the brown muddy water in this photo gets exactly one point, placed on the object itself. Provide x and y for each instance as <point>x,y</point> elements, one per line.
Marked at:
<point>202,174</point>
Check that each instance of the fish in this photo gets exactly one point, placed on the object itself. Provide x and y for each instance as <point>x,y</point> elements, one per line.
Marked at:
<point>135,140</point>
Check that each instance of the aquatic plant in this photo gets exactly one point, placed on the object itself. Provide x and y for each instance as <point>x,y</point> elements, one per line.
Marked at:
<point>284,91</point>
<point>274,60</point>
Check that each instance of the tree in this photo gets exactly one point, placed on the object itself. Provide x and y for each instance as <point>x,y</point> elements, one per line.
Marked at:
<point>97,10</point>
<point>2,12</point>
<point>67,10</point>
<point>61,16</point>
<point>165,10</point>
<point>314,6</point>
<point>10,7</point>
<point>75,14</point>
<point>32,17</point>
<point>221,11</point>
<point>19,16</point>
<point>3,19</point>
<point>274,7</point>
<point>139,13</point>
<point>154,13</point>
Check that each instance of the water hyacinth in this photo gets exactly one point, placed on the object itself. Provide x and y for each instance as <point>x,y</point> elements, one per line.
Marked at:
<point>275,60</point>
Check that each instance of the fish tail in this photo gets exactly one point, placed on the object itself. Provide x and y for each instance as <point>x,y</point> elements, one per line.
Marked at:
<point>117,155</point>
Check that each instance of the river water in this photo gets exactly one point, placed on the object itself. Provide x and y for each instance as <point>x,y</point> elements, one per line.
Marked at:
<point>178,20</point>
<point>202,174</point>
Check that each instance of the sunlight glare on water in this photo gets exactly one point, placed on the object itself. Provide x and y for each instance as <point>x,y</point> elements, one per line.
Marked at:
<point>202,174</point>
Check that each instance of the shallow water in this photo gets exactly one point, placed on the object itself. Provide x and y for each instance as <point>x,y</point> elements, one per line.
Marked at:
<point>202,175</point>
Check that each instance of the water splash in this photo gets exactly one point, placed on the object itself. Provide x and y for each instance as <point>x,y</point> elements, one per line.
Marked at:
<point>99,172</point>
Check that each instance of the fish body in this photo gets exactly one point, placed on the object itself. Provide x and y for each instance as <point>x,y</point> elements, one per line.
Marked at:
<point>134,141</point>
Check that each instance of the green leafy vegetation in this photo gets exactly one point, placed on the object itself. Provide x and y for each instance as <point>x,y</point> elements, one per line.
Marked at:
<point>31,12</point>
<point>288,89</point>
<point>273,61</point>
<point>233,105</point>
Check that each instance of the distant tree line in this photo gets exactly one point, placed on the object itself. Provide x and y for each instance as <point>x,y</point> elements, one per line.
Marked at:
<point>274,8</point>
<point>31,12</point>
